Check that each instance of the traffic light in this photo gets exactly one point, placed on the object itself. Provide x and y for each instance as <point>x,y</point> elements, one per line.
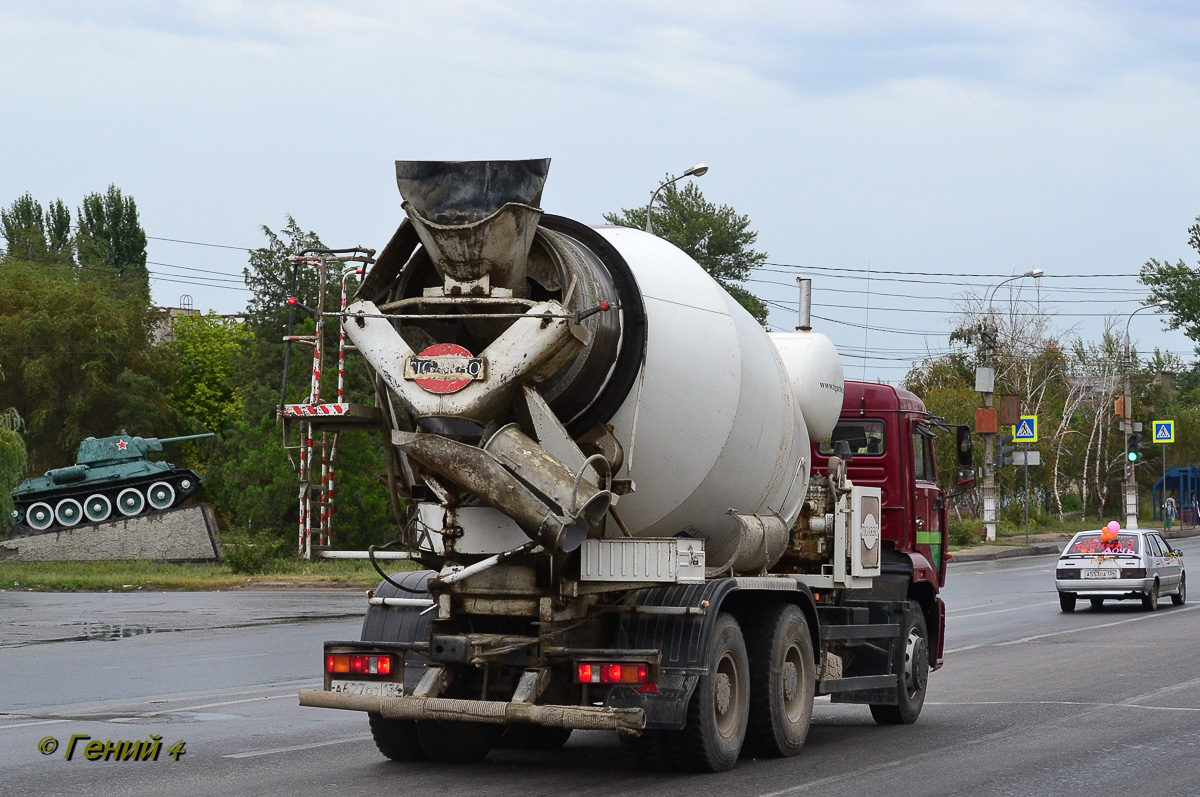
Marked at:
<point>1004,453</point>
<point>1133,448</point>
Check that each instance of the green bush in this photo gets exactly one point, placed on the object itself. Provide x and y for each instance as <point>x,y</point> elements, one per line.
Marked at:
<point>251,553</point>
<point>964,531</point>
<point>1071,503</point>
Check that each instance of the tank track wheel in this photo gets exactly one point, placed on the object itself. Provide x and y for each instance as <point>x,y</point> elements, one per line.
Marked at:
<point>161,495</point>
<point>131,502</point>
<point>39,516</point>
<point>97,507</point>
<point>68,512</point>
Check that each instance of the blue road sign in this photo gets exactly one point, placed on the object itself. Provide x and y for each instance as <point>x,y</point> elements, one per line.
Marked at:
<point>1164,431</point>
<point>1026,430</point>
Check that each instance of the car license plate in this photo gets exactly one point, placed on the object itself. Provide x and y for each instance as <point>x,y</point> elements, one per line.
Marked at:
<point>1101,573</point>
<point>377,688</point>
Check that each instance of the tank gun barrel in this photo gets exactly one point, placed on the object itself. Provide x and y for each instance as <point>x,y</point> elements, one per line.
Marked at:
<point>204,436</point>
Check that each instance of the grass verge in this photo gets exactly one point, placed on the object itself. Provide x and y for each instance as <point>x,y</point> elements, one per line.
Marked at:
<point>135,575</point>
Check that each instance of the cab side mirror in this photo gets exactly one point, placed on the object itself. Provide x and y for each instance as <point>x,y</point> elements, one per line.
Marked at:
<point>964,477</point>
<point>1177,552</point>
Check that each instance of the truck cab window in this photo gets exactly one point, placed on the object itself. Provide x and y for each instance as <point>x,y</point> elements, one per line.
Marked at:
<point>866,438</point>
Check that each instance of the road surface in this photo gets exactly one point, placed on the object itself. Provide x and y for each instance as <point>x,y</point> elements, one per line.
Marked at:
<point>1031,702</point>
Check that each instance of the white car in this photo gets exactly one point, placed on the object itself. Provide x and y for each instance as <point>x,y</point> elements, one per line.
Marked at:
<point>1137,564</point>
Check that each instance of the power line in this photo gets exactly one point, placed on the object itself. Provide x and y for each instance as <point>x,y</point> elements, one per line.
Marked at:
<point>153,276</point>
<point>199,243</point>
<point>241,280</point>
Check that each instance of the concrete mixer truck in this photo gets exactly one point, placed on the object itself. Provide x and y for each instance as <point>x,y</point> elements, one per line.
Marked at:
<point>634,509</point>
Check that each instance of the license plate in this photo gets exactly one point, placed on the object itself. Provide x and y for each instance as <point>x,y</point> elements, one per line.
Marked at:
<point>377,688</point>
<point>1101,574</point>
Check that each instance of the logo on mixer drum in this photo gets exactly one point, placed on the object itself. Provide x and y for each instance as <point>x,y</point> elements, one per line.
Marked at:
<point>444,368</point>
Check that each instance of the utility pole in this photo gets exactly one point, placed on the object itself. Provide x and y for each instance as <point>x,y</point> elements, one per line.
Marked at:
<point>1131,521</point>
<point>985,383</point>
<point>1131,496</point>
<point>985,379</point>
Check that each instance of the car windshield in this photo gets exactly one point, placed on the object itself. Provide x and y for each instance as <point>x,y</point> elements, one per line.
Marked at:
<point>1090,544</point>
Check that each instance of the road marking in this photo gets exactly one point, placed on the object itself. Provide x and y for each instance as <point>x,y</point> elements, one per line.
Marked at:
<point>178,709</point>
<point>1149,616</point>
<point>1001,611</point>
<point>27,724</point>
<point>294,748</point>
<point>1166,690</point>
<point>908,763</point>
<point>1064,703</point>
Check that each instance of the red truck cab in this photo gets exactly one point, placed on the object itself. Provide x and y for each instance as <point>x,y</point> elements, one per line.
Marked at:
<point>887,435</point>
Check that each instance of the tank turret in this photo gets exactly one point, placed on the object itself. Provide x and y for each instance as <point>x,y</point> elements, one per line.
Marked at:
<point>111,479</point>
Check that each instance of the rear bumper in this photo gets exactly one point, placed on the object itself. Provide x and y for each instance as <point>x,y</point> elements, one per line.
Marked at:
<point>1108,587</point>
<point>591,718</point>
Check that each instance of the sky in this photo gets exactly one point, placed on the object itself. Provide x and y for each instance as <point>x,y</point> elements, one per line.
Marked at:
<point>904,155</point>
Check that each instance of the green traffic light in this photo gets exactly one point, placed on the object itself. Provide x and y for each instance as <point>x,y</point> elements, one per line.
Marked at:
<point>1133,456</point>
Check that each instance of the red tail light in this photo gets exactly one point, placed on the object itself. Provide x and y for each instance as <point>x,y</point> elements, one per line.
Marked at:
<point>611,673</point>
<point>358,664</point>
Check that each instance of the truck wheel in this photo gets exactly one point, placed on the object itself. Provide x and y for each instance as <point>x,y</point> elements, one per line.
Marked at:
<point>396,739</point>
<point>1097,603</point>
<point>782,683</point>
<point>913,666</point>
<point>720,707</point>
<point>457,742</point>
<point>1150,599</point>
<point>1180,595</point>
<point>650,751</point>
<point>1066,601</point>
<point>536,737</point>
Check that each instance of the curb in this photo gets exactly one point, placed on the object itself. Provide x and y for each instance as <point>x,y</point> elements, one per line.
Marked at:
<point>1008,552</point>
<point>991,553</point>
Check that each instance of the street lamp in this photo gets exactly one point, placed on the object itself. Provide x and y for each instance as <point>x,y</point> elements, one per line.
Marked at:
<point>985,382</point>
<point>699,170</point>
<point>1130,478</point>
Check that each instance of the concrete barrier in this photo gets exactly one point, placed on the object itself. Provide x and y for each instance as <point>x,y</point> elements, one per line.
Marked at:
<point>182,534</point>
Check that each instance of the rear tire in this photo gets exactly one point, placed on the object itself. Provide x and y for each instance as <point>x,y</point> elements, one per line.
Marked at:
<point>782,683</point>
<point>913,666</point>
<point>1150,599</point>
<point>1180,596</point>
<point>1066,601</point>
<point>651,751</point>
<point>720,706</point>
<point>457,742</point>
<point>396,739</point>
<point>1097,603</point>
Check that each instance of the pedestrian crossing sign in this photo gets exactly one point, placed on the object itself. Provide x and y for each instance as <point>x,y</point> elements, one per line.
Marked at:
<point>1026,430</point>
<point>1164,431</point>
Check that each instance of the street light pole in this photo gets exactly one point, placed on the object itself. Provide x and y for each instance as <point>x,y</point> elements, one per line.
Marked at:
<point>988,374</point>
<point>1130,487</point>
<point>699,170</point>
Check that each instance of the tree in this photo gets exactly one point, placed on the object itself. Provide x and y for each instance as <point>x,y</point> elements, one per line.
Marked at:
<point>37,235</point>
<point>251,477</point>
<point>76,361</point>
<point>12,461</point>
<point>112,239</point>
<point>208,349</point>
<point>717,238</point>
<point>1180,285</point>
